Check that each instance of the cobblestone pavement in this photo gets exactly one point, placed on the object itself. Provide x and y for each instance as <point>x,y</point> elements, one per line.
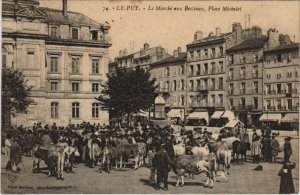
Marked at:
<point>242,179</point>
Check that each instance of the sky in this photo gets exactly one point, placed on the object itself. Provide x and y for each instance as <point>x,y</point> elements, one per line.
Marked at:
<point>130,29</point>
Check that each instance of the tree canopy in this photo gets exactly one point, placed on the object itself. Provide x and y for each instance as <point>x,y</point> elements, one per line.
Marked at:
<point>15,93</point>
<point>128,91</point>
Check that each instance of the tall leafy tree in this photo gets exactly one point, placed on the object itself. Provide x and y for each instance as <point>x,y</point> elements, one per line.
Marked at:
<point>128,91</point>
<point>15,94</point>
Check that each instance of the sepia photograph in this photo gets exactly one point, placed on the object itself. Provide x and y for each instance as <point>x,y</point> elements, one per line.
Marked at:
<point>149,97</point>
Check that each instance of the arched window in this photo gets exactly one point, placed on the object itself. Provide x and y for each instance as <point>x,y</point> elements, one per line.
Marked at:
<point>54,110</point>
<point>75,110</point>
<point>95,110</point>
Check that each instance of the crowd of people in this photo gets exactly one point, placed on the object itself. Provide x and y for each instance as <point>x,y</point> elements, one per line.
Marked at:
<point>159,140</point>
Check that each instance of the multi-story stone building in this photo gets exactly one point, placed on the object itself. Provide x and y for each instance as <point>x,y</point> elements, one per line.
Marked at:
<point>244,80</point>
<point>170,75</point>
<point>281,84</point>
<point>206,74</point>
<point>143,58</point>
<point>64,57</point>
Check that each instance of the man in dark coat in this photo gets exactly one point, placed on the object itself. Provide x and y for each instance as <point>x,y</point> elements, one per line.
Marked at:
<point>161,163</point>
<point>15,155</point>
<point>287,148</point>
<point>274,148</point>
<point>286,179</point>
<point>266,149</point>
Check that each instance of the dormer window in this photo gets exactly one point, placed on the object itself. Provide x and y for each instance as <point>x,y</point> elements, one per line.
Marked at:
<point>54,31</point>
<point>94,35</point>
<point>75,33</point>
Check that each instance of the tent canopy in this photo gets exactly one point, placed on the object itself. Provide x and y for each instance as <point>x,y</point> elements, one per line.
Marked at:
<point>234,123</point>
<point>176,113</point>
<point>217,115</point>
<point>228,114</point>
<point>270,117</point>
<point>290,118</point>
<point>198,115</point>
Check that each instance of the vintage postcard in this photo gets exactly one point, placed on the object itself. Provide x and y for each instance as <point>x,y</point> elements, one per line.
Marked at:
<point>149,97</point>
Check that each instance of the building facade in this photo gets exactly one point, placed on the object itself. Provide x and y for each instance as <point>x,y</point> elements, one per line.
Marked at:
<point>244,82</point>
<point>170,76</point>
<point>142,58</point>
<point>64,57</point>
<point>281,86</point>
<point>206,71</point>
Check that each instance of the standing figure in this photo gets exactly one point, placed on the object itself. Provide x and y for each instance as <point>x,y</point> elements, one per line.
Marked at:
<point>161,163</point>
<point>274,148</point>
<point>8,143</point>
<point>15,155</point>
<point>256,149</point>
<point>286,179</point>
<point>287,148</point>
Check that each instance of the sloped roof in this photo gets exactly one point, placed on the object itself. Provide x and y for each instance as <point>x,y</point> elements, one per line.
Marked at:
<point>210,39</point>
<point>284,47</point>
<point>55,16</point>
<point>256,43</point>
<point>73,18</point>
<point>181,57</point>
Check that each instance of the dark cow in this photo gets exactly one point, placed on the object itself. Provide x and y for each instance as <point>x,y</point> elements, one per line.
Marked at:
<point>137,151</point>
<point>239,148</point>
<point>195,164</point>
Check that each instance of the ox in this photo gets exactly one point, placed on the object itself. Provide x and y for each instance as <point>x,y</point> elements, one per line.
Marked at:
<point>200,150</point>
<point>179,149</point>
<point>70,154</point>
<point>94,152</point>
<point>195,164</point>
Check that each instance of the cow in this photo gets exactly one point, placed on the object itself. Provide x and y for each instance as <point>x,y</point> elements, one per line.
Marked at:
<point>200,150</point>
<point>70,154</point>
<point>195,164</point>
<point>54,158</point>
<point>239,148</point>
<point>109,154</point>
<point>224,157</point>
<point>230,141</point>
<point>142,148</point>
<point>179,149</point>
<point>94,152</point>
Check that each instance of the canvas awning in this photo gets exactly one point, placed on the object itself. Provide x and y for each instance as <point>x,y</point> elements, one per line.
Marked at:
<point>174,113</point>
<point>233,123</point>
<point>217,115</point>
<point>198,115</point>
<point>290,118</point>
<point>228,114</point>
<point>270,117</point>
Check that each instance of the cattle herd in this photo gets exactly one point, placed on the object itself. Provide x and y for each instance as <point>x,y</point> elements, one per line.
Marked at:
<point>111,147</point>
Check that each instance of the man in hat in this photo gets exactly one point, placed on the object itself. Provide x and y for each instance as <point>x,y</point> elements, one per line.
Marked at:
<point>15,154</point>
<point>161,162</point>
<point>274,148</point>
<point>287,148</point>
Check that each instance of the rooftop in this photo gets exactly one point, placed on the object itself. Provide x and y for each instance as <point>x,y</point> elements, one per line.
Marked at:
<point>210,39</point>
<point>53,16</point>
<point>181,57</point>
<point>284,47</point>
<point>248,44</point>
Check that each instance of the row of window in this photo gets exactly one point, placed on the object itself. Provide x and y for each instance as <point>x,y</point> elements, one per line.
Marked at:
<point>75,33</point>
<point>204,100</point>
<point>75,110</point>
<point>75,86</point>
<point>287,88</point>
<point>206,53</point>
<point>205,69</point>
<point>243,72</point>
<point>242,103</point>
<point>75,65</point>
<point>279,104</point>
<point>242,58</point>
<point>279,75</point>
<point>243,88</point>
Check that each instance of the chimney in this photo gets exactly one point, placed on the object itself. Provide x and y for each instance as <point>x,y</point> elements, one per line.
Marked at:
<point>65,8</point>
<point>125,52</point>
<point>179,50</point>
<point>218,31</point>
<point>146,46</point>
<point>257,31</point>
<point>198,35</point>
<point>120,53</point>
<point>237,29</point>
<point>273,38</point>
<point>175,53</point>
